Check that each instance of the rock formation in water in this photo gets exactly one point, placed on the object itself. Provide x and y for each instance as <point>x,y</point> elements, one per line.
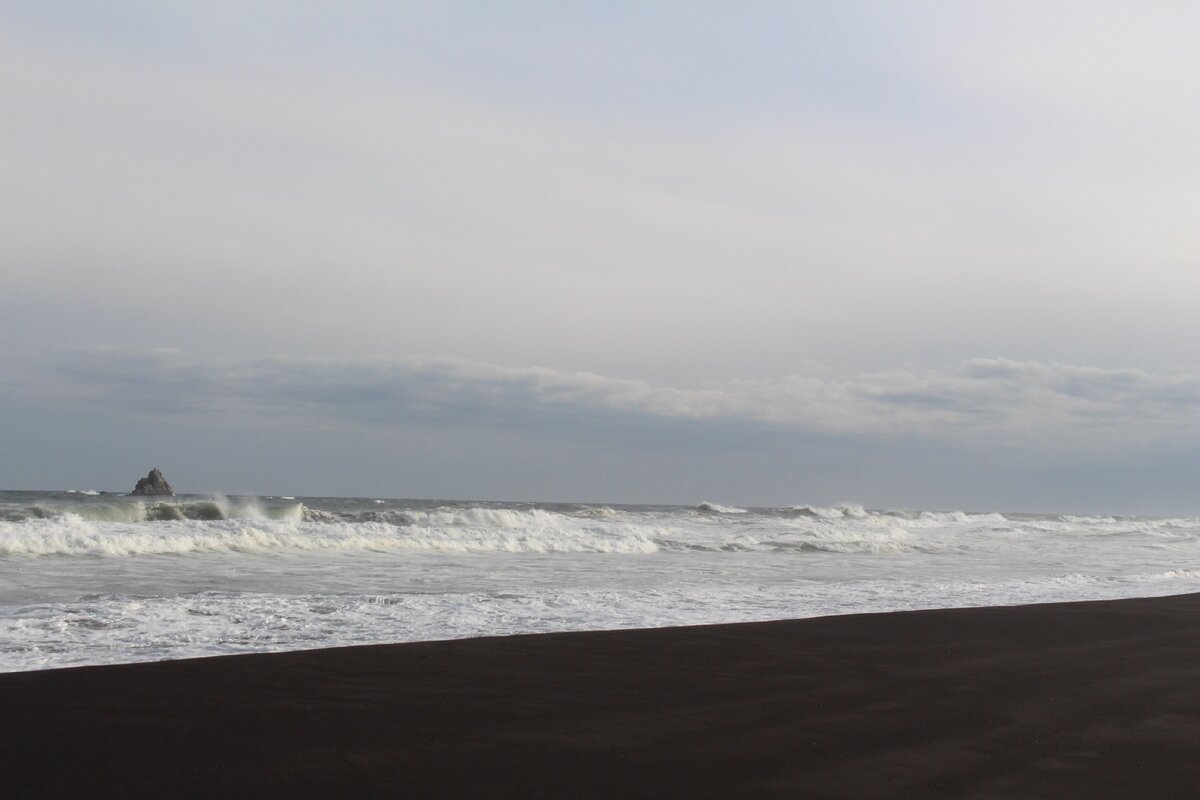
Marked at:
<point>154,483</point>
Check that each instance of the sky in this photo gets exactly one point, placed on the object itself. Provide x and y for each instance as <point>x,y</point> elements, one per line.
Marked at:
<point>905,254</point>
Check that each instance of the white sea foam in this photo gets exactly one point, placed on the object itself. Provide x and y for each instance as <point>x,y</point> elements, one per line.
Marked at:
<point>120,628</point>
<point>88,579</point>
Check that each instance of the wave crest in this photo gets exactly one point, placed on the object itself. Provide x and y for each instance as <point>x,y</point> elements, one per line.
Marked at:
<point>716,508</point>
<point>72,535</point>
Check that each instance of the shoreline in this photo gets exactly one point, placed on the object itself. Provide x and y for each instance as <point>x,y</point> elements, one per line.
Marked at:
<point>1080,699</point>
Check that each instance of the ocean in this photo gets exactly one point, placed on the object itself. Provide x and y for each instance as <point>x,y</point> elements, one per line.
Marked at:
<point>93,578</point>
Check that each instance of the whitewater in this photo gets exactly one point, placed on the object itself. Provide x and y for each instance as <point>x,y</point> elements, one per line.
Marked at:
<point>95,578</point>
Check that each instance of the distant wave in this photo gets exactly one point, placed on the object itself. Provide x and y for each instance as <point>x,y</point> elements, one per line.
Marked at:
<point>596,512</point>
<point>850,510</point>
<point>960,516</point>
<point>715,508</point>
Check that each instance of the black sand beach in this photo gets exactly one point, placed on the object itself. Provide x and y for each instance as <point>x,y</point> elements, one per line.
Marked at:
<point>1077,700</point>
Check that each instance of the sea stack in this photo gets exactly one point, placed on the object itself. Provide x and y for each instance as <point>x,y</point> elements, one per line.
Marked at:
<point>154,483</point>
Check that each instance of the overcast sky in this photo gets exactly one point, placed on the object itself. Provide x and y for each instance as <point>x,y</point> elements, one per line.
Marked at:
<point>913,254</point>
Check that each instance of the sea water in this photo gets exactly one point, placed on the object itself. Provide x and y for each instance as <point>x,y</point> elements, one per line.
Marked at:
<point>89,578</point>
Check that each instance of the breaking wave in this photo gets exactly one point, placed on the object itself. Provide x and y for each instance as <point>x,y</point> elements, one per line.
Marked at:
<point>134,527</point>
<point>217,508</point>
<point>715,508</point>
<point>852,511</point>
<point>73,535</point>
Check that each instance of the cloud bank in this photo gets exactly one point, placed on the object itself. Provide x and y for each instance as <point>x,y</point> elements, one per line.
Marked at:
<point>982,402</point>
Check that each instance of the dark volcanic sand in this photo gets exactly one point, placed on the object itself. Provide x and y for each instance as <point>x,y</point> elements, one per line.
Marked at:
<point>1087,700</point>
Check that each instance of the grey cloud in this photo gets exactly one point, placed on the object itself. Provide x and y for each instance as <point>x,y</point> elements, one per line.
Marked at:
<point>982,401</point>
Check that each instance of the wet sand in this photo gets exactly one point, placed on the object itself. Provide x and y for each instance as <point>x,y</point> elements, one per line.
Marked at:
<point>1074,700</point>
